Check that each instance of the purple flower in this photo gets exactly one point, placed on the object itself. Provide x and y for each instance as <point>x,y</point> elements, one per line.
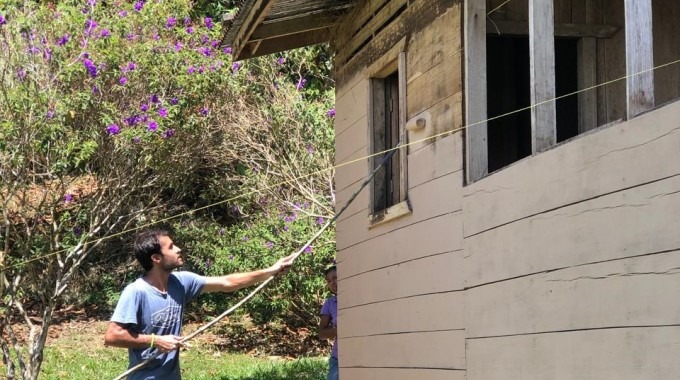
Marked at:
<point>3,20</point>
<point>308,249</point>
<point>68,198</point>
<point>190,70</point>
<point>187,21</point>
<point>201,69</point>
<point>152,127</point>
<point>178,46</point>
<point>90,24</point>
<point>227,50</point>
<point>235,66</point>
<point>122,81</point>
<point>245,238</point>
<point>208,22</point>
<point>105,33</point>
<point>281,61</point>
<point>205,111</point>
<point>143,107</point>
<point>320,221</point>
<point>136,139</point>
<point>92,3</point>
<point>310,149</point>
<point>50,114</point>
<point>156,37</point>
<point>63,40</point>
<point>95,90</point>
<point>77,231</point>
<point>269,245</point>
<point>215,43</point>
<point>189,30</point>
<point>168,134</point>
<point>301,83</point>
<point>33,50</point>
<point>286,228</point>
<point>231,257</point>
<point>122,13</point>
<point>138,6</point>
<point>171,22</point>
<point>154,98</point>
<point>47,54</point>
<point>91,68</point>
<point>206,51</point>
<point>130,66</point>
<point>174,101</point>
<point>163,112</point>
<point>113,129</point>
<point>331,112</point>
<point>131,36</point>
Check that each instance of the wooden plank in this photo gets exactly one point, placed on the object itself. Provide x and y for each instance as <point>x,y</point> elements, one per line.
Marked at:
<point>444,156</point>
<point>519,28</point>
<point>253,18</point>
<point>639,57</point>
<point>434,312</point>
<point>579,9</point>
<point>577,298</point>
<point>436,44</point>
<point>615,158</point>
<point>611,227</point>
<point>437,350</point>
<point>294,25</point>
<point>666,31</point>
<point>562,11</point>
<point>435,274</point>
<point>351,106</point>
<point>446,115</point>
<point>374,25</point>
<point>401,374</point>
<point>435,198</point>
<point>352,171</point>
<point>622,354</point>
<point>477,157</point>
<point>439,83</point>
<point>615,63</point>
<point>542,70</point>
<point>587,78</point>
<point>429,237</point>
<point>403,136</point>
<point>351,139</point>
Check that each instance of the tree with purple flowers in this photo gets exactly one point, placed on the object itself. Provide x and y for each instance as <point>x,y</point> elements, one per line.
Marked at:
<point>113,116</point>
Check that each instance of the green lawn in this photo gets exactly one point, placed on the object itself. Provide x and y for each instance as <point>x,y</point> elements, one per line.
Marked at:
<point>82,356</point>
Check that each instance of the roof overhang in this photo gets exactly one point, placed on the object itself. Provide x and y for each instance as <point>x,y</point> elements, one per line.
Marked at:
<point>269,26</point>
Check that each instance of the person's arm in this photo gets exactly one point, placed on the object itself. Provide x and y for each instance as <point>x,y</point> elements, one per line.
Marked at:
<point>236,281</point>
<point>326,329</point>
<point>117,335</point>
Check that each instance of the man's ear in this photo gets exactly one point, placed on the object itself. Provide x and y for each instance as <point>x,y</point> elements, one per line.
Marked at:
<point>156,258</point>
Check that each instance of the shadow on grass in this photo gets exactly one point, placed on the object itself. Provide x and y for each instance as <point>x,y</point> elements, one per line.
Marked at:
<point>295,370</point>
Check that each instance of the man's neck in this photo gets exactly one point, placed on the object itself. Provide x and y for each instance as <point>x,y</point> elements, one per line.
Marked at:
<point>158,278</point>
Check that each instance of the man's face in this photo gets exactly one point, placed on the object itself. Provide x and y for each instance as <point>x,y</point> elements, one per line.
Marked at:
<point>171,255</point>
<point>332,281</point>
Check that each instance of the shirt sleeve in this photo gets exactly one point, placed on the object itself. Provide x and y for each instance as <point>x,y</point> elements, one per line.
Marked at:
<point>326,308</point>
<point>192,282</point>
<point>127,307</point>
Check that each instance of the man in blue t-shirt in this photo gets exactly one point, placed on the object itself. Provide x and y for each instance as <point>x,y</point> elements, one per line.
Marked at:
<point>148,316</point>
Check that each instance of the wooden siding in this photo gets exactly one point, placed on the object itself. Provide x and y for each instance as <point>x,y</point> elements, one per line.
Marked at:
<point>382,329</point>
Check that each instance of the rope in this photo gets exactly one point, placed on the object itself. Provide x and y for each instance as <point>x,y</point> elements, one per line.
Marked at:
<point>400,146</point>
<point>270,279</point>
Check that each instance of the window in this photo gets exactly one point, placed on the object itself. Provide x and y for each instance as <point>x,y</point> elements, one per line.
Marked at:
<point>523,58</point>
<point>387,119</point>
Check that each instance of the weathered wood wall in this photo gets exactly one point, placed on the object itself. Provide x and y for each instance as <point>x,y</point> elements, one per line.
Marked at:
<point>400,282</point>
<point>561,266</point>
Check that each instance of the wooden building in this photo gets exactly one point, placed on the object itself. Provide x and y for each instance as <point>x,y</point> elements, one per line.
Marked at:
<point>531,228</point>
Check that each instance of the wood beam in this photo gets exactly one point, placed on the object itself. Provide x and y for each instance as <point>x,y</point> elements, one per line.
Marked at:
<point>520,28</point>
<point>256,14</point>
<point>542,70</point>
<point>476,133</point>
<point>278,28</point>
<point>639,57</point>
<point>278,44</point>
<point>587,78</point>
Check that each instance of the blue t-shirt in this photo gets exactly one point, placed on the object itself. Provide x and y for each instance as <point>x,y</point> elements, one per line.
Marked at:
<point>144,309</point>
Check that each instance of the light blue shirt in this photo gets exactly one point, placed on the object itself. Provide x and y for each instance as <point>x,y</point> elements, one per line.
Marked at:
<point>145,310</point>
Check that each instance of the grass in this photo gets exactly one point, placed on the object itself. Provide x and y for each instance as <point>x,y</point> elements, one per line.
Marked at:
<point>80,355</point>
